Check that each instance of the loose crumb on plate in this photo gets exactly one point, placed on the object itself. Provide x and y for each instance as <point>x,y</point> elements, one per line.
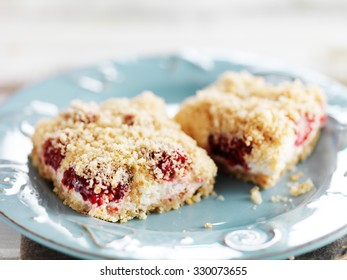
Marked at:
<point>142,216</point>
<point>255,196</point>
<point>280,198</point>
<point>301,188</point>
<point>296,176</point>
<point>220,197</point>
<point>208,225</point>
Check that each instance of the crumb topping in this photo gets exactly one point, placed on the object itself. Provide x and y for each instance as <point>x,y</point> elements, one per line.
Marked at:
<point>270,113</point>
<point>245,85</point>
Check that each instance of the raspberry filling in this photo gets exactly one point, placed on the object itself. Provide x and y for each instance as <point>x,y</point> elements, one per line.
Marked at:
<point>52,155</point>
<point>89,119</point>
<point>231,148</point>
<point>129,119</point>
<point>304,129</point>
<point>323,119</point>
<point>171,165</point>
<point>82,185</point>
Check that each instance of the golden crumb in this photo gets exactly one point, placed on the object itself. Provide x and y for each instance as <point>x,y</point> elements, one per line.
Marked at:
<point>142,216</point>
<point>255,195</point>
<point>296,176</point>
<point>208,226</point>
<point>301,188</point>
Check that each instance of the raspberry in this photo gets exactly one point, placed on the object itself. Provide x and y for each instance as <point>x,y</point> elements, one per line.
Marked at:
<point>129,119</point>
<point>231,148</point>
<point>90,119</point>
<point>86,118</point>
<point>171,164</point>
<point>323,119</point>
<point>52,155</point>
<point>304,129</point>
<point>80,184</point>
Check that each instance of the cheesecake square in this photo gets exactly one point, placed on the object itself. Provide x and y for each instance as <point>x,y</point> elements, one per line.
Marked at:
<point>121,159</point>
<point>253,129</point>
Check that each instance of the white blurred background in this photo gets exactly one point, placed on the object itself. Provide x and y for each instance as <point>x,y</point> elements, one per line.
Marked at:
<point>39,38</point>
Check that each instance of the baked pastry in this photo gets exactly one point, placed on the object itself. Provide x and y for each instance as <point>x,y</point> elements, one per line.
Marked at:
<point>254,129</point>
<point>121,159</point>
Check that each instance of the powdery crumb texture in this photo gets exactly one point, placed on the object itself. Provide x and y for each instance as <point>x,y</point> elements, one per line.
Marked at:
<point>121,159</point>
<point>298,189</point>
<point>220,198</point>
<point>254,129</point>
<point>255,195</point>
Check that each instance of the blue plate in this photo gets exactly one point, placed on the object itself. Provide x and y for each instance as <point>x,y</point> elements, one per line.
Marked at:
<point>240,230</point>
